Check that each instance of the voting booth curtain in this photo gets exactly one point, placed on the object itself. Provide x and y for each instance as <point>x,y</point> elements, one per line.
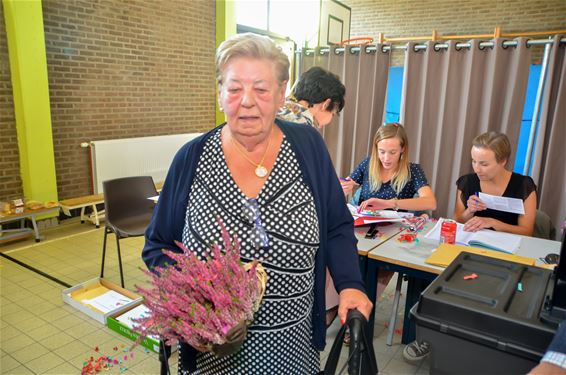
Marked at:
<point>548,168</point>
<point>452,95</point>
<point>365,75</point>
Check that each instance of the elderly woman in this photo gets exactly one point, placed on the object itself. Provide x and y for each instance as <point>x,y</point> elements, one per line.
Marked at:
<point>273,184</point>
<point>317,96</point>
<point>490,154</point>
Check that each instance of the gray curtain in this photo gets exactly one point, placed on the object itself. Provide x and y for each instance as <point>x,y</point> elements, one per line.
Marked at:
<point>365,75</point>
<point>452,95</point>
<point>548,169</point>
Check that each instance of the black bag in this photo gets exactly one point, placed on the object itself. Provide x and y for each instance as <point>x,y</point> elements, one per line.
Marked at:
<point>361,359</point>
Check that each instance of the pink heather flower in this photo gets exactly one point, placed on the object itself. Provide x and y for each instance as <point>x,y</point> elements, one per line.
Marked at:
<point>197,301</point>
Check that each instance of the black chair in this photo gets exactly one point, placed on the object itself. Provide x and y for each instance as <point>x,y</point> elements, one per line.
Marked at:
<point>128,210</point>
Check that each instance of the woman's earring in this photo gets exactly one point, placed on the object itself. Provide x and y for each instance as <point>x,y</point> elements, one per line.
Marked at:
<point>401,158</point>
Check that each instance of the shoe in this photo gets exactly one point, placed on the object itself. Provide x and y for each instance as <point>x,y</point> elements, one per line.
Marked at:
<point>416,351</point>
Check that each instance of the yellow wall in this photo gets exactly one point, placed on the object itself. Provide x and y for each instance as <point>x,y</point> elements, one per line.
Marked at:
<point>28,68</point>
<point>225,28</point>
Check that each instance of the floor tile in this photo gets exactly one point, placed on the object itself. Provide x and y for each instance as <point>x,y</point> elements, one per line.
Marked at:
<point>7,363</point>
<point>44,363</point>
<point>57,340</point>
<point>30,352</point>
<point>21,370</point>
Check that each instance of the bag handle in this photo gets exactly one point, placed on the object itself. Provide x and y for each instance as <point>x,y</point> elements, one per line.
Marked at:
<point>361,359</point>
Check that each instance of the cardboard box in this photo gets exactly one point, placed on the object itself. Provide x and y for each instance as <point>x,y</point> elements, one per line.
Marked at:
<point>125,327</point>
<point>101,293</point>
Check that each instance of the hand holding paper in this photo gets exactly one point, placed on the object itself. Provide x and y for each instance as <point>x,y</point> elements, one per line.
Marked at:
<point>512,205</point>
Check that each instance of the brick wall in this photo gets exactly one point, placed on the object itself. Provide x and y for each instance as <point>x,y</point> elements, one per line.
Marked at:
<point>120,69</point>
<point>10,181</point>
<point>404,18</point>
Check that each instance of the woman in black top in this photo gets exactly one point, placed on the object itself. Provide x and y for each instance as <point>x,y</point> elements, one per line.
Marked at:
<point>490,153</point>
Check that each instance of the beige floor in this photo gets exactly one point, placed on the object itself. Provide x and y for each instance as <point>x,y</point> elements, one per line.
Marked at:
<point>39,334</point>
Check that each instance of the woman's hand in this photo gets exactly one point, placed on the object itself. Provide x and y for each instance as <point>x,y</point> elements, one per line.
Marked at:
<point>348,185</point>
<point>477,222</point>
<point>353,299</point>
<point>475,204</point>
<point>374,204</point>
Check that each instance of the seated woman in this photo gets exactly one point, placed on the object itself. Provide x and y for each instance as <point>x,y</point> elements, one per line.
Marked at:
<point>317,96</point>
<point>389,181</point>
<point>490,154</point>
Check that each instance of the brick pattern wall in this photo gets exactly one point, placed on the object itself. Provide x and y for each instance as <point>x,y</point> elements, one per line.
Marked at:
<point>121,69</point>
<point>10,181</point>
<point>404,18</point>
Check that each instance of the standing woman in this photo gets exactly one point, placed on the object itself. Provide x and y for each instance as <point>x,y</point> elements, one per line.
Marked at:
<point>317,96</point>
<point>273,185</point>
<point>490,154</point>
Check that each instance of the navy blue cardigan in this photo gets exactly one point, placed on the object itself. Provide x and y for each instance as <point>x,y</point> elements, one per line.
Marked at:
<point>337,241</point>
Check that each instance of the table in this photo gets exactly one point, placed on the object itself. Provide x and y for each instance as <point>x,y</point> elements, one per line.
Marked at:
<point>385,232</point>
<point>409,259</point>
<point>6,234</point>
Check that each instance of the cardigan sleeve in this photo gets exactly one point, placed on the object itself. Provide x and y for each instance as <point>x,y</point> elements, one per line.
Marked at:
<point>168,218</point>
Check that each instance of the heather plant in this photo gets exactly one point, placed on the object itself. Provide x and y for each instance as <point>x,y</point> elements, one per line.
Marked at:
<point>198,301</point>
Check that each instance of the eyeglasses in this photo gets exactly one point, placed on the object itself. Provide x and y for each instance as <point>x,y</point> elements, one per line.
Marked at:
<point>259,235</point>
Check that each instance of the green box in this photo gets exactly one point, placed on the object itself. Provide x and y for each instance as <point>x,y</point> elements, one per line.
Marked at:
<point>121,328</point>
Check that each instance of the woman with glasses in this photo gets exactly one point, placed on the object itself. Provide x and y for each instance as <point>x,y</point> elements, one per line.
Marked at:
<point>317,96</point>
<point>273,185</point>
<point>389,181</point>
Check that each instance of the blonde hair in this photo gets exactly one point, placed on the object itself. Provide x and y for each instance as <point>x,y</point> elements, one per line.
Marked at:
<point>403,174</point>
<point>496,142</point>
<point>252,46</point>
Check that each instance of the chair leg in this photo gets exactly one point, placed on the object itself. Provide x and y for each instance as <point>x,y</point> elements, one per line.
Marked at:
<point>103,252</point>
<point>394,310</point>
<point>120,260</point>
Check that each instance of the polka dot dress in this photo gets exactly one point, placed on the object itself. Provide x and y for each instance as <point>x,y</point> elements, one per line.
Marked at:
<point>279,339</point>
<point>417,180</point>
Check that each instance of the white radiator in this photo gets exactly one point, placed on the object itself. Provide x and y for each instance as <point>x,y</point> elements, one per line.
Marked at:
<point>145,156</point>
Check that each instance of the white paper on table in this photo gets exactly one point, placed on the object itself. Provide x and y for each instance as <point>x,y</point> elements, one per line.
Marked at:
<point>495,202</point>
<point>108,301</point>
<point>384,214</point>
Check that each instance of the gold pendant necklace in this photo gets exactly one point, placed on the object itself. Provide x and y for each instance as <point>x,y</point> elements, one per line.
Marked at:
<point>260,170</point>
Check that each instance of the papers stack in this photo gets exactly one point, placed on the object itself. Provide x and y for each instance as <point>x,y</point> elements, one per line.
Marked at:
<point>381,216</point>
<point>487,239</point>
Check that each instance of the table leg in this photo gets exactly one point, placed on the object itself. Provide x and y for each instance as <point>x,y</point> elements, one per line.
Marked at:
<point>371,286</point>
<point>415,287</point>
<point>35,230</point>
<point>363,264</point>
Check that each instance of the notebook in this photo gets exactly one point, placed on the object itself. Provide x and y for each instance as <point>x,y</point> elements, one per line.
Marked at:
<point>445,254</point>
<point>485,238</point>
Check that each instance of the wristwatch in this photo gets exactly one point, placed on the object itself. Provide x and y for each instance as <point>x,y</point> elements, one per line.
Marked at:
<point>395,204</point>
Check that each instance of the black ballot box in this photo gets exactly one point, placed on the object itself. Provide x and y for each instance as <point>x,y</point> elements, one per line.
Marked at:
<point>487,316</point>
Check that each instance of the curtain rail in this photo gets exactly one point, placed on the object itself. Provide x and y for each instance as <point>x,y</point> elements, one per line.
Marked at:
<point>437,46</point>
